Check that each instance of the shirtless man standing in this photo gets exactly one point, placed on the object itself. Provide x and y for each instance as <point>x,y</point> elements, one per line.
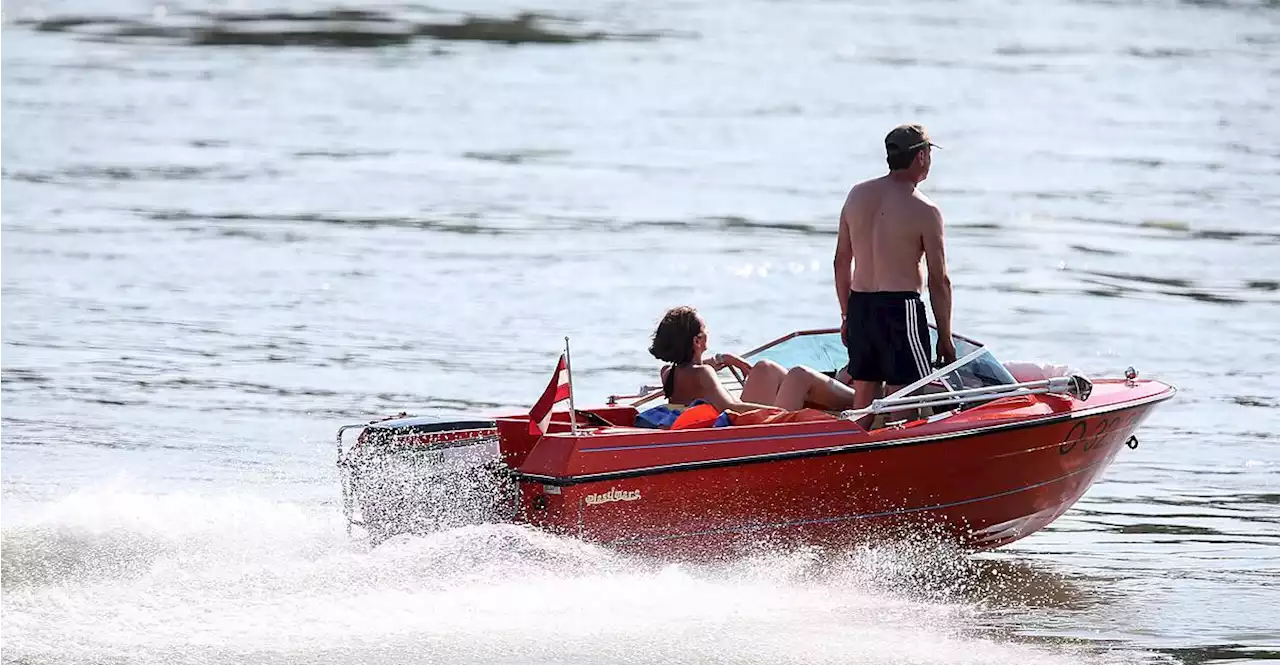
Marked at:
<point>886,226</point>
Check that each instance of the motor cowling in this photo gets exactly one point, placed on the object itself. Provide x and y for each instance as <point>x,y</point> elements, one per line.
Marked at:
<point>423,474</point>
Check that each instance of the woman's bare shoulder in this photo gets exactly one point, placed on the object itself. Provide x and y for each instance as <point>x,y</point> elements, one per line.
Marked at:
<point>706,375</point>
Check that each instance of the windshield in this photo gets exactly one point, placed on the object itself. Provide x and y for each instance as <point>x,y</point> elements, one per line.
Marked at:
<point>822,351</point>
<point>981,371</point>
<point>825,352</point>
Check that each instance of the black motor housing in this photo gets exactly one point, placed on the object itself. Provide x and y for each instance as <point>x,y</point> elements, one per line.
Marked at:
<point>424,474</point>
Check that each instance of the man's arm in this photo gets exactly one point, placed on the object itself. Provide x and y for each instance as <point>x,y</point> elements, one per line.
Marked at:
<point>843,263</point>
<point>935,257</point>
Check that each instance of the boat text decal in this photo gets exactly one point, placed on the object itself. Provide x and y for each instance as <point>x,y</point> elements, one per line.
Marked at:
<point>1105,431</point>
<point>614,494</point>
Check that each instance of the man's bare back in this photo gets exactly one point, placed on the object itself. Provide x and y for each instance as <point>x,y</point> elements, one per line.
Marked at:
<point>886,227</point>
<point>886,221</point>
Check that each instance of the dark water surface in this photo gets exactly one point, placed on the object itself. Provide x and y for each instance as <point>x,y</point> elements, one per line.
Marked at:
<point>229,228</point>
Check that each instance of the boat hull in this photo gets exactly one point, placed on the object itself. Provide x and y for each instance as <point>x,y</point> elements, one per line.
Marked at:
<point>978,478</point>
<point>1001,473</point>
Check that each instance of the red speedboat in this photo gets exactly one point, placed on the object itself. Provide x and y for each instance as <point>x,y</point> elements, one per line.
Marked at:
<point>986,459</point>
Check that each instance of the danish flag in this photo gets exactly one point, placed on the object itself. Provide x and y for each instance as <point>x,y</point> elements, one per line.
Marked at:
<point>557,391</point>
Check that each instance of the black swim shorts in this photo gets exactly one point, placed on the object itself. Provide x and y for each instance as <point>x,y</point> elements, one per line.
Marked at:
<point>888,337</point>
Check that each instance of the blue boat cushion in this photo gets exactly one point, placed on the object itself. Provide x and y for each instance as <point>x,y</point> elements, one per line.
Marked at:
<point>664,415</point>
<point>659,417</point>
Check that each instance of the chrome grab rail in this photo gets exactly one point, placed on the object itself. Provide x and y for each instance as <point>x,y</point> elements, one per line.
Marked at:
<point>649,393</point>
<point>1075,385</point>
<point>341,431</point>
<point>344,478</point>
<point>644,391</point>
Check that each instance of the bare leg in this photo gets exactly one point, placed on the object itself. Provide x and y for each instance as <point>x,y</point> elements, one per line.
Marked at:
<point>905,414</point>
<point>913,414</point>
<point>803,384</point>
<point>763,382</point>
<point>865,393</point>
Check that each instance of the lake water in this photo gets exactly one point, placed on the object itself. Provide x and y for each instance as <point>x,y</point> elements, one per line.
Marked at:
<point>230,228</point>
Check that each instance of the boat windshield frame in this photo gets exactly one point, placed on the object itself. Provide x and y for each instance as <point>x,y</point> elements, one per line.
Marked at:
<point>977,367</point>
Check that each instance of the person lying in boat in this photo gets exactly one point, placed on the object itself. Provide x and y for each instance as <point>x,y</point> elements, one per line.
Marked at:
<point>681,339</point>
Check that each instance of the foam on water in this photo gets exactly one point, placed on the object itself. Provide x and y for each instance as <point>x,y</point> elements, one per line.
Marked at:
<point>115,575</point>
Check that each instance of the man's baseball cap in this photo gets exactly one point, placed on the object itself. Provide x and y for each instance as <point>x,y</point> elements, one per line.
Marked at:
<point>905,138</point>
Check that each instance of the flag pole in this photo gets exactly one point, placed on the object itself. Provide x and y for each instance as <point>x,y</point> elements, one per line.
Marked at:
<point>568,368</point>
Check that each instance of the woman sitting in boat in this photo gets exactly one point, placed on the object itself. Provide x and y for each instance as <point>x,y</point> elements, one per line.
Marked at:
<point>681,339</point>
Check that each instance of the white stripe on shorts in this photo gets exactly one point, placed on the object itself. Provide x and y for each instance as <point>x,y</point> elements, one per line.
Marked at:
<point>913,339</point>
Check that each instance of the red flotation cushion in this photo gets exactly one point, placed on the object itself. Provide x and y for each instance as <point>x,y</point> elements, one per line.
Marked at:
<point>702,415</point>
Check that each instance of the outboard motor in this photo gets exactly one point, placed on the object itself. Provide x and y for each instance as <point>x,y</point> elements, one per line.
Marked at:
<point>423,474</point>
